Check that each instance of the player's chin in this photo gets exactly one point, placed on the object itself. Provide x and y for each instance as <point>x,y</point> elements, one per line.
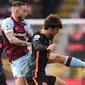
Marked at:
<point>21,19</point>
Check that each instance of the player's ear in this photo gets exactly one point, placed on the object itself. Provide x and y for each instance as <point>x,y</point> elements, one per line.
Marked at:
<point>17,10</point>
<point>50,28</point>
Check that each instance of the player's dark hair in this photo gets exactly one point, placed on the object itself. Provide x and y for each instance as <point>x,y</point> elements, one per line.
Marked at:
<point>52,21</point>
<point>18,3</point>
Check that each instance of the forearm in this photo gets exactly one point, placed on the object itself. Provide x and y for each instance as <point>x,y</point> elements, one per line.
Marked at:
<point>14,40</point>
<point>19,42</point>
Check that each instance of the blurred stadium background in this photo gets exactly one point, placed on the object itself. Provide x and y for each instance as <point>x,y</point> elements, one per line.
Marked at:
<point>72,13</point>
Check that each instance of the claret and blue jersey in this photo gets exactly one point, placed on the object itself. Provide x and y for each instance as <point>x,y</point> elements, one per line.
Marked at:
<point>20,30</point>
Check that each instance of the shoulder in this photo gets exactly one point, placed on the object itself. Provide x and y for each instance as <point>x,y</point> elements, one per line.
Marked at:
<point>7,22</point>
<point>28,28</point>
<point>26,22</point>
<point>36,36</point>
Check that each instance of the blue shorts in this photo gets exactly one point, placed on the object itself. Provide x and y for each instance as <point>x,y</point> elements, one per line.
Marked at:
<point>19,66</point>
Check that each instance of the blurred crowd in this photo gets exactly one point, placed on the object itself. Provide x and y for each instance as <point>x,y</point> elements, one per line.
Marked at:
<point>36,8</point>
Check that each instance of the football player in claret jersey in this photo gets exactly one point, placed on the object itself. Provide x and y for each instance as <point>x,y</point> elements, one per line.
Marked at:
<point>16,30</point>
<point>42,54</point>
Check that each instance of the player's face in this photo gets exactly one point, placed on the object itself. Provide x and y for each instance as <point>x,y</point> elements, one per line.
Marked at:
<point>54,31</point>
<point>22,13</point>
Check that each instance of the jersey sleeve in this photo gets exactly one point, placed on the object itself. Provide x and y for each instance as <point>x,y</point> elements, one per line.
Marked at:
<point>36,42</point>
<point>28,28</point>
<point>7,25</point>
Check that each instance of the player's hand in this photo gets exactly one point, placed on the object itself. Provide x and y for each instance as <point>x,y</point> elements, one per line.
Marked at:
<point>51,47</point>
<point>29,47</point>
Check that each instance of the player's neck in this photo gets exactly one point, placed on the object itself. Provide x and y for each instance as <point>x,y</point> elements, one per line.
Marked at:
<point>14,17</point>
<point>44,32</point>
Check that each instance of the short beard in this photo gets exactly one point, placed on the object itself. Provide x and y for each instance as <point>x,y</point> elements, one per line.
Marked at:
<point>20,18</point>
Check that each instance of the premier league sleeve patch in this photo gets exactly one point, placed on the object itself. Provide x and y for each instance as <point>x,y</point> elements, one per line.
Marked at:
<point>7,25</point>
<point>7,28</point>
<point>36,37</point>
